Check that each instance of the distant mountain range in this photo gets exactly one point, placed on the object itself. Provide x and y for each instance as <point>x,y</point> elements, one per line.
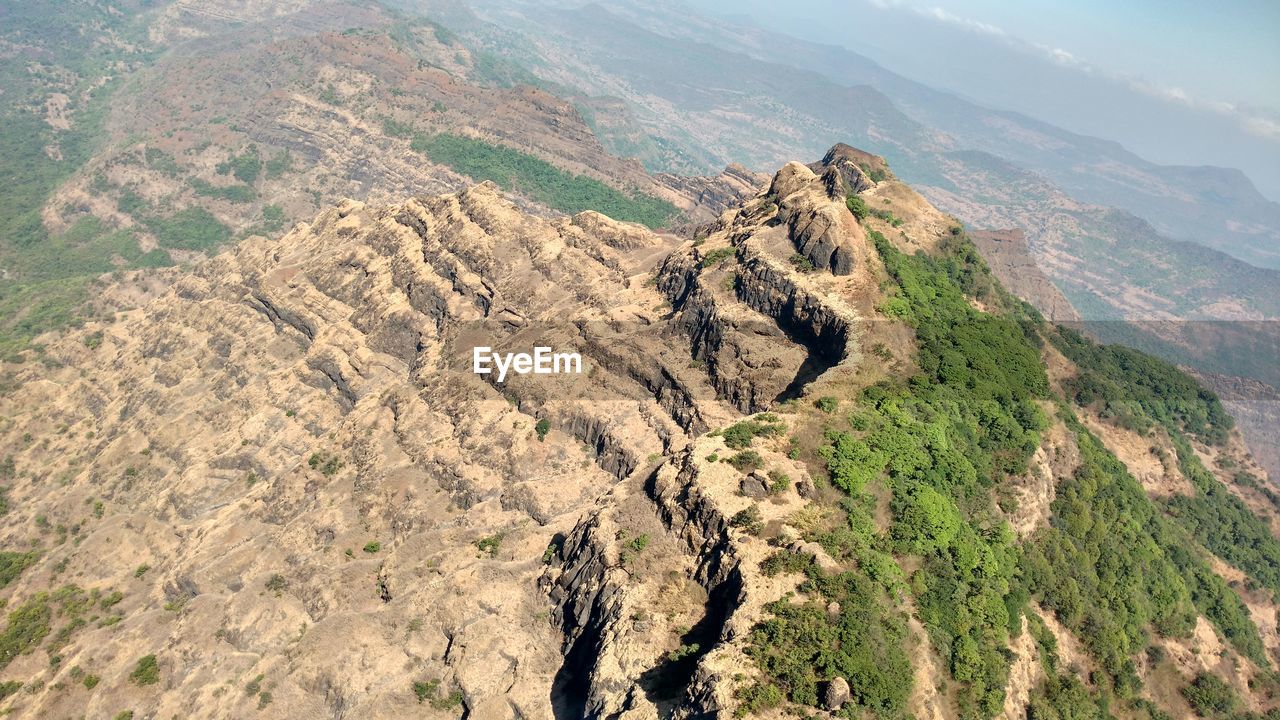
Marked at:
<point>699,66</point>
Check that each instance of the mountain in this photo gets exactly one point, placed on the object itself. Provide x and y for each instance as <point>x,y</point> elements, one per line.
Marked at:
<point>200,127</point>
<point>1213,206</point>
<point>684,92</point>
<point>816,458</point>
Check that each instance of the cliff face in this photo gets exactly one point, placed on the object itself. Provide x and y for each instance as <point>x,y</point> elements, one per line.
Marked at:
<point>1010,259</point>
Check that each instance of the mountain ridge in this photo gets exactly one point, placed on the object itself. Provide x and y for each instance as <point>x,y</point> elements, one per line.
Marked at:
<point>290,443</point>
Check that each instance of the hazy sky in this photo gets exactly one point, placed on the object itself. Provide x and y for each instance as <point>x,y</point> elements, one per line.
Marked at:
<point>1226,51</point>
<point>1178,82</point>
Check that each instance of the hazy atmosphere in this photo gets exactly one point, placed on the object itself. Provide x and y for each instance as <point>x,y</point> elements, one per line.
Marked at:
<point>1177,82</point>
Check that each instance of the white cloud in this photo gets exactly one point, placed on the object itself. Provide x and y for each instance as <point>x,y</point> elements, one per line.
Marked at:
<point>941,15</point>
<point>1263,127</point>
<point>1256,122</point>
<point>1260,123</point>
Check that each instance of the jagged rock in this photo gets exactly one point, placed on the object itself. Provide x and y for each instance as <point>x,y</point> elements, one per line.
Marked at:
<point>790,179</point>
<point>754,487</point>
<point>813,207</point>
<point>718,193</point>
<point>805,488</point>
<point>299,407</point>
<point>842,261</point>
<point>837,694</point>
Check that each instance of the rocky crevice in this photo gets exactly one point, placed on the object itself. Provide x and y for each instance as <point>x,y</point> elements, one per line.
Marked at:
<point>590,591</point>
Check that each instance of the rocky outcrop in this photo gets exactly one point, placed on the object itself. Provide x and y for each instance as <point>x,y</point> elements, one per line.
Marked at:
<point>847,170</point>
<point>718,193</point>
<point>820,226</point>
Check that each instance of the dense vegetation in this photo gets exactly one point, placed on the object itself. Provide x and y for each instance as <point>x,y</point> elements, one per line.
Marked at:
<point>1112,566</point>
<point>943,440</point>
<point>1223,524</point>
<point>803,645</point>
<point>12,564</point>
<point>1102,567</point>
<point>539,180</point>
<point>46,275</point>
<point>1135,390</point>
<point>1139,392</point>
<point>940,441</point>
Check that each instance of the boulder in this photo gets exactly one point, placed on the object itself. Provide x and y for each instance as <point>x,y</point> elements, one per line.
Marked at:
<point>805,488</point>
<point>753,487</point>
<point>837,693</point>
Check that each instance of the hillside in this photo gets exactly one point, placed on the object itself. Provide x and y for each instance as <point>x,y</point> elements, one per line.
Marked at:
<point>165,133</point>
<point>818,459</point>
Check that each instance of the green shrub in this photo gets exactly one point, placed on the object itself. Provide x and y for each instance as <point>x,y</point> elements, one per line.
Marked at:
<point>1063,697</point>
<point>232,193</point>
<point>490,545</point>
<point>327,463</point>
<point>424,690</point>
<point>739,435</point>
<point>146,672</point>
<point>372,546</point>
<point>429,691</point>
<point>875,174</point>
<point>785,561</point>
<point>857,206</point>
<point>245,166</point>
<point>746,461</point>
<point>1210,696</point>
<point>541,181</point>
<point>685,650</point>
<point>748,519</point>
<point>542,427</point>
<point>273,219</point>
<point>28,626</point>
<point>757,697</point>
<point>718,256</point>
<point>12,565</point>
<point>800,647</point>
<point>395,128</point>
<point>279,165</point>
<point>801,263</point>
<point>192,229</point>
